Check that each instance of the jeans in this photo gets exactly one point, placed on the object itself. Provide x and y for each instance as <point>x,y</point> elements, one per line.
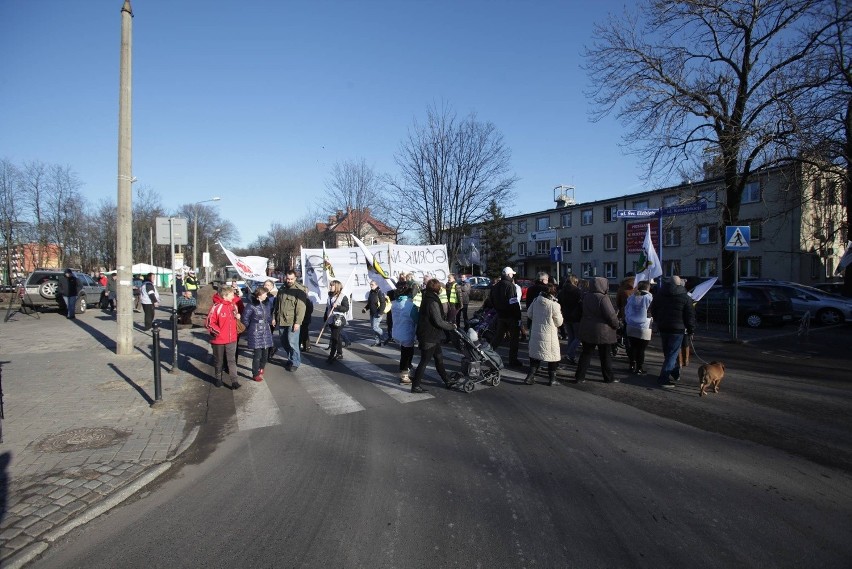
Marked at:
<point>290,344</point>
<point>462,315</point>
<point>70,305</point>
<point>636,352</point>
<point>604,353</point>
<point>375,324</point>
<point>573,340</point>
<point>671,346</point>
<point>426,354</point>
<point>258,362</point>
<point>222,352</point>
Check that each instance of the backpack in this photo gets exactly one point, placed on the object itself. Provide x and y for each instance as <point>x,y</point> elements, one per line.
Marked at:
<point>208,324</point>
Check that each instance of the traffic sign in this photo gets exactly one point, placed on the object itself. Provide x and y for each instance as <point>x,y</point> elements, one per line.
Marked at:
<point>680,209</point>
<point>631,213</point>
<point>737,237</point>
<point>556,254</point>
<point>171,230</point>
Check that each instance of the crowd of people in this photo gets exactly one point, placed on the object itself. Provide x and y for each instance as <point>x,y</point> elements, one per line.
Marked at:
<point>565,324</point>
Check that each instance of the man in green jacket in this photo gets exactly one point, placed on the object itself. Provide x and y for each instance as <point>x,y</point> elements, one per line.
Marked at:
<point>290,306</point>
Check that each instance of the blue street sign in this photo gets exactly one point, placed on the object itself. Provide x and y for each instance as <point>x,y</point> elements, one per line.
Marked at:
<point>689,208</point>
<point>556,254</point>
<point>631,213</point>
<point>737,237</point>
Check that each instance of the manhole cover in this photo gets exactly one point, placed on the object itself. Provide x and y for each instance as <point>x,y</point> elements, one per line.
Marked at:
<point>82,439</point>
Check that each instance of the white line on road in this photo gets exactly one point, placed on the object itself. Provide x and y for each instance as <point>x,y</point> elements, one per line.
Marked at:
<point>331,398</point>
<point>384,380</point>
<point>256,407</point>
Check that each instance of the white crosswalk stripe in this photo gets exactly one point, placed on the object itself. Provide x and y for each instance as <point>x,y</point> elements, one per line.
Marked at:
<point>256,407</point>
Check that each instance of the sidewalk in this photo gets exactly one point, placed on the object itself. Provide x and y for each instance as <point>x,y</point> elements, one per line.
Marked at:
<point>80,434</point>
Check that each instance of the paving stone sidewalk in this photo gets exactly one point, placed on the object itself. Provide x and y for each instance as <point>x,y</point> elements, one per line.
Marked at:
<point>80,433</point>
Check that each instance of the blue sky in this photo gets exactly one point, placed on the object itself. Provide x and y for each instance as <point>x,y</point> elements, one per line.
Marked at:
<point>235,98</point>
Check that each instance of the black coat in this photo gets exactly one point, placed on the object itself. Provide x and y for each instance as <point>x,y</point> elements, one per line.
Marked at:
<point>430,322</point>
<point>672,309</point>
<point>376,300</point>
<point>571,301</point>
<point>533,292</point>
<point>68,286</point>
<point>504,299</point>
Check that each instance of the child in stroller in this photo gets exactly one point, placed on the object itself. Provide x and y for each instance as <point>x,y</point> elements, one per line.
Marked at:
<point>484,322</point>
<point>479,362</point>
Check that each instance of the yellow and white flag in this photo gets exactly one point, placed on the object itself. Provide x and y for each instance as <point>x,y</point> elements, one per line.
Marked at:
<point>374,269</point>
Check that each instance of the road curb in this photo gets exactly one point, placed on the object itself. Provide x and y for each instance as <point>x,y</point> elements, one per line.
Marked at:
<point>35,549</point>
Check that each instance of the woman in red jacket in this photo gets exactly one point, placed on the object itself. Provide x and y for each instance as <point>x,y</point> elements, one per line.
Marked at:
<point>222,325</point>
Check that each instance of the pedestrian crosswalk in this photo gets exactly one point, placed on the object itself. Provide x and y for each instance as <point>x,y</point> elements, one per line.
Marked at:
<point>257,408</point>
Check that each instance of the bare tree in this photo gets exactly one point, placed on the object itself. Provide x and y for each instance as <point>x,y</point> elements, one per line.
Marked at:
<point>62,210</point>
<point>354,187</point>
<point>10,212</point>
<point>690,77</point>
<point>450,171</point>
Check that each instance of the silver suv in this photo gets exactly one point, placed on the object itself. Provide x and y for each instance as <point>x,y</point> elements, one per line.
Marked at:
<point>824,307</point>
<point>42,289</point>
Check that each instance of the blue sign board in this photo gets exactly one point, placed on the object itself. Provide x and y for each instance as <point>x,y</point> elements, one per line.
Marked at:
<point>689,208</point>
<point>631,213</point>
<point>737,237</point>
<point>556,254</point>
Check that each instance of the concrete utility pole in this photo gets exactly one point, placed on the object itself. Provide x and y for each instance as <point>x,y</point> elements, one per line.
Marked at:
<point>124,240</point>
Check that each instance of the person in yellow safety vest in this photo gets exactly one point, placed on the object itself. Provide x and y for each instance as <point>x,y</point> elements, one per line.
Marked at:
<point>190,283</point>
<point>453,300</point>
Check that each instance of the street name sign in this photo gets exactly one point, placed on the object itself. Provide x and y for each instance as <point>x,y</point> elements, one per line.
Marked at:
<point>631,213</point>
<point>681,209</point>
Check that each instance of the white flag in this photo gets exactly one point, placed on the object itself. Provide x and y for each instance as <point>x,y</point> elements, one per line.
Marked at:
<point>652,267</point>
<point>374,269</point>
<point>250,268</point>
<point>845,260</point>
<point>474,254</point>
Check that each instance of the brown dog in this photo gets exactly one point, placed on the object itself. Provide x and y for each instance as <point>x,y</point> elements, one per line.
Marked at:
<point>710,375</point>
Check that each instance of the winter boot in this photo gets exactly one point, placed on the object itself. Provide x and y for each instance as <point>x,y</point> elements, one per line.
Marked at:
<point>551,378</point>
<point>530,378</point>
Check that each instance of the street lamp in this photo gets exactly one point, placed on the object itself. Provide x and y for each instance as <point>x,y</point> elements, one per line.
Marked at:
<point>195,229</point>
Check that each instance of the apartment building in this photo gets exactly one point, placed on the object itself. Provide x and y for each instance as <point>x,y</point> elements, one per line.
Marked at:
<point>797,232</point>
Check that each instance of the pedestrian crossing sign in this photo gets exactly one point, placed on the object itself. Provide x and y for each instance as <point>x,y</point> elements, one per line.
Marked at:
<point>737,237</point>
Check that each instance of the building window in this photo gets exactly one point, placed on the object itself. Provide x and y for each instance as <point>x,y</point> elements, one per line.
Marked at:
<point>818,189</point>
<point>586,270</point>
<point>610,213</point>
<point>749,267</point>
<point>542,247</point>
<point>671,201</point>
<point>509,228</point>
<point>567,267</point>
<point>522,226</point>
<point>672,237</point>
<point>611,270</point>
<point>565,219</point>
<point>566,245</point>
<point>542,223</point>
<point>709,196</point>
<point>671,267</point>
<point>751,193</point>
<point>707,234</point>
<point>587,242</point>
<point>610,241</point>
<point>706,267</point>
<point>756,226</point>
<point>587,217</point>
<point>641,204</point>
<point>522,249</point>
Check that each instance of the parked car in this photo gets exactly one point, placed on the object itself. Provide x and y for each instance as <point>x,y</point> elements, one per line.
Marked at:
<point>479,282</point>
<point>832,287</point>
<point>42,289</point>
<point>757,306</point>
<point>824,307</point>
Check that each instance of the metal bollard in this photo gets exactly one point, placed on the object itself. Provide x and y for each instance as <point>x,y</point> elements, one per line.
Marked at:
<point>174,368</point>
<point>155,355</point>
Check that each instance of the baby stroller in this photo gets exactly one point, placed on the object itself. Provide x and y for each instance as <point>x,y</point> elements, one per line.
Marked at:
<point>484,321</point>
<point>479,362</point>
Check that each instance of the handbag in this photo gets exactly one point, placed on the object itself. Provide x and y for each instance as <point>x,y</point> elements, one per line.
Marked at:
<point>338,320</point>
<point>240,327</point>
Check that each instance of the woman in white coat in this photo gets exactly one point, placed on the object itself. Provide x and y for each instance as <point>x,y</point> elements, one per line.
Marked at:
<point>546,316</point>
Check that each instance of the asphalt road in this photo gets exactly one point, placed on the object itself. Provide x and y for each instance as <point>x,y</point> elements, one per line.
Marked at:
<point>506,476</point>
